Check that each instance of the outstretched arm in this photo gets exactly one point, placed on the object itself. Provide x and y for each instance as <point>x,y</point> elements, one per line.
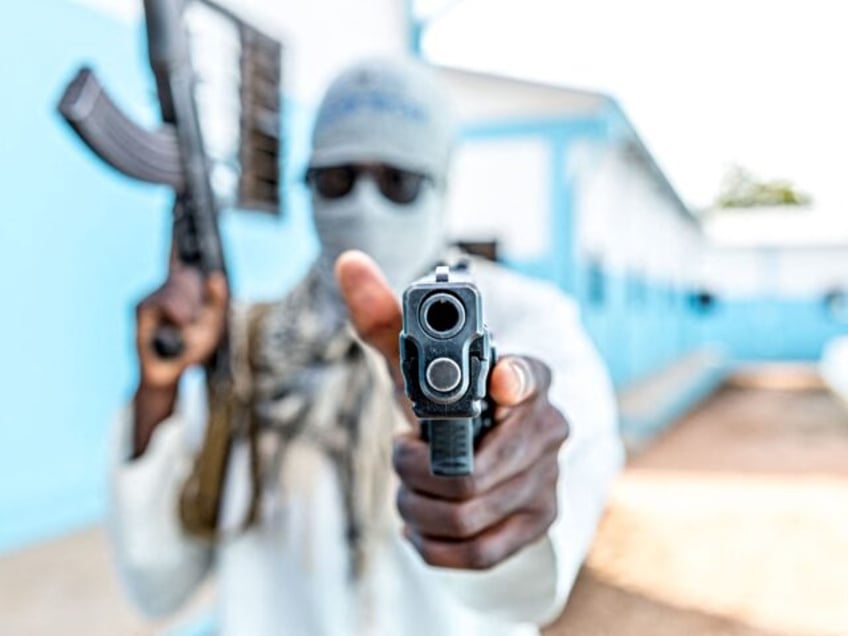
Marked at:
<point>510,538</point>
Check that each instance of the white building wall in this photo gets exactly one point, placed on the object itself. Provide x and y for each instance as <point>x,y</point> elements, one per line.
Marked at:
<point>799,273</point>
<point>626,220</point>
<point>322,36</point>
<point>500,190</point>
<point>501,186</point>
<point>811,272</point>
<point>319,36</point>
<point>482,97</point>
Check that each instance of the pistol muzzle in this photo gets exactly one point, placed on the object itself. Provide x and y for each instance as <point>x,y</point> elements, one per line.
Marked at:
<point>442,315</point>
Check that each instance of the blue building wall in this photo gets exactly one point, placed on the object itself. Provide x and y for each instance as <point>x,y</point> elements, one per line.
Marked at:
<point>764,328</point>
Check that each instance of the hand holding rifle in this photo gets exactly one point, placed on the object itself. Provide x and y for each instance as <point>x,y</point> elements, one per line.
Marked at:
<point>196,309</point>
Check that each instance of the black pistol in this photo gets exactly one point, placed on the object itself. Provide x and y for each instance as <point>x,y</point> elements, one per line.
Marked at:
<point>446,355</point>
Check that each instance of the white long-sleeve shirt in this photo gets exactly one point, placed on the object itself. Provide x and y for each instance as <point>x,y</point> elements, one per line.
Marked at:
<point>289,574</point>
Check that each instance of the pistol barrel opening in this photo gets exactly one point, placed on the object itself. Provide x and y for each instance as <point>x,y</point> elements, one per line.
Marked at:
<point>443,315</point>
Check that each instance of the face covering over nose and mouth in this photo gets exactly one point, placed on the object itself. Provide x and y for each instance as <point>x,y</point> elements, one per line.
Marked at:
<point>404,239</point>
<point>391,112</point>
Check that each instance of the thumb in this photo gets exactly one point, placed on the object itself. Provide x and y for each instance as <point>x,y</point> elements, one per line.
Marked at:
<point>517,379</point>
<point>372,306</point>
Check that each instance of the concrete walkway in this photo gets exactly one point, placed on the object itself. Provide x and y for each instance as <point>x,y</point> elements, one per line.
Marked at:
<point>70,587</point>
<point>734,522</point>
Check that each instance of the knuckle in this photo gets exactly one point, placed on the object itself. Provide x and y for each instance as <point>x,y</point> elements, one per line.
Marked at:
<point>401,456</point>
<point>551,513</point>
<point>461,519</point>
<point>540,416</point>
<point>403,503</point>
<point>564,428</point>
<point>174,305</point>
<point>480,555</point>
<point>551,472</point>
<point>555,425</point>
<point>429,556</point>
<point>171,288</point>
<point>511,447</point>
<point>542,493</point>
<point>191,305</point>
<point>545,493</point>
<point>185,277</point>
<point>546,511</point>
<point>148,303</point>
<point>424,549</point>
<point>466,486</point>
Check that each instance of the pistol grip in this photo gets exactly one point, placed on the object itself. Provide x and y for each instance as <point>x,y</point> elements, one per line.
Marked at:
<point>451,446</point>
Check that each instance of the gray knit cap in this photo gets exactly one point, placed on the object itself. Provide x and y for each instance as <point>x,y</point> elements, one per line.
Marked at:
<point>385,110</point>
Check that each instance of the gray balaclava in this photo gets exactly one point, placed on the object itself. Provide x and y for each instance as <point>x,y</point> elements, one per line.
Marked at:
<point>384,111</point>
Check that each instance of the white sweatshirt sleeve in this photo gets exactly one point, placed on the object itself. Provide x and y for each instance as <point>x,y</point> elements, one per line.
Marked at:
<point>531,318</point>
<point>159,563</point>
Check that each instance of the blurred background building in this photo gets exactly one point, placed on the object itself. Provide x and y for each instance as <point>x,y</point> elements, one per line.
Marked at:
<point>562,181</point>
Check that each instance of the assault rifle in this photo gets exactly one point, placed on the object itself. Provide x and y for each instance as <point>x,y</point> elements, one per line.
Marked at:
<point>177,155</point>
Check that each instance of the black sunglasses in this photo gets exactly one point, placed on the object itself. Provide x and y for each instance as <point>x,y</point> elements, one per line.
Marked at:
<point>397,185</point>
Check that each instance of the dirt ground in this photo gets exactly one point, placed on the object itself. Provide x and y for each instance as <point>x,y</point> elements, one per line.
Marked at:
<point>70,587</point>
<point>734,522</point>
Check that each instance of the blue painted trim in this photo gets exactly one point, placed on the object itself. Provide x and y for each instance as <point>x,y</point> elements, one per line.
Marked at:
<point>563,214</point>
<point>415,30</point>
<point>594,127</point>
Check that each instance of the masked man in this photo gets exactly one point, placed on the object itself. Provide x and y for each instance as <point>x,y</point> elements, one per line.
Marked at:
<point>330,521</point>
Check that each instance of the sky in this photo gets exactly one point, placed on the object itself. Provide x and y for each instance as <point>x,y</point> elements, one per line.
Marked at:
<point>707,84</point>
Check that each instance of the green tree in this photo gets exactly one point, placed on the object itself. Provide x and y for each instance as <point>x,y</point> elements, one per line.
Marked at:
<point>741,189</point>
